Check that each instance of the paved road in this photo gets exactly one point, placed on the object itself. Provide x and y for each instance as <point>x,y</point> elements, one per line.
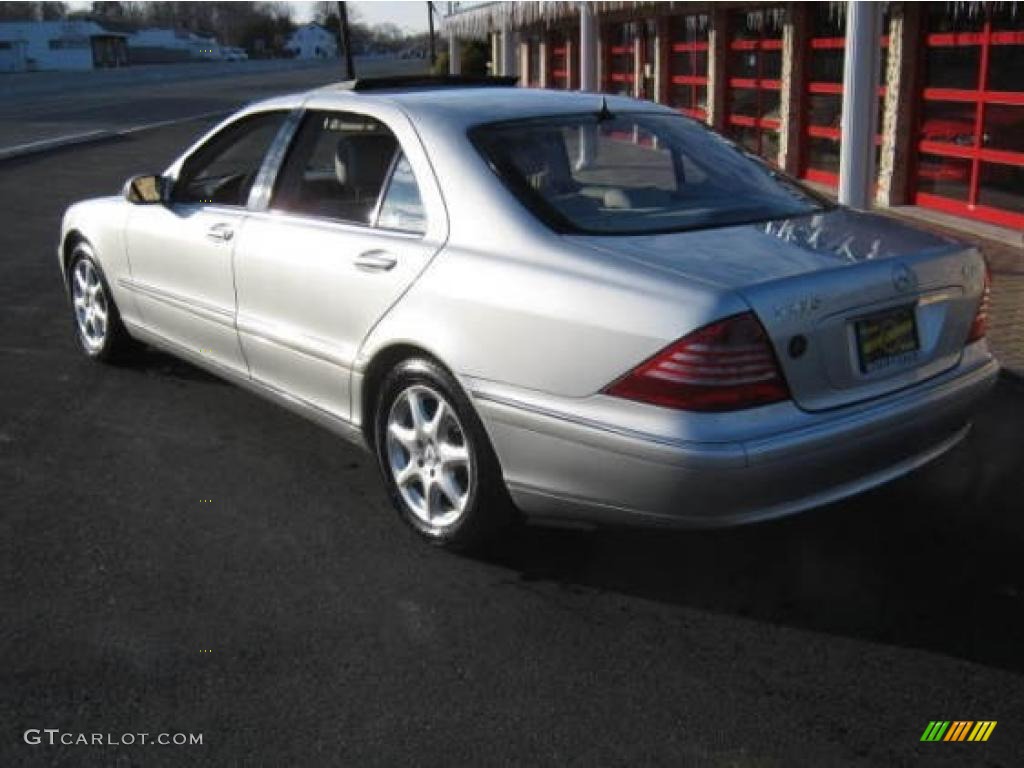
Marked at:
<point>46,105</point>
<point>334,637</point>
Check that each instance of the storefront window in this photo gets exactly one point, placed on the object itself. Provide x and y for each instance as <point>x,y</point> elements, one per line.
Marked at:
<point>1003,126</point>
<point>688,64</point>
<point>754,69</point>
<point>561,60</point>
<point>945,176</point>
<point>971,127</point>
<point>620,62</point>
<point>826,53</point>
<point>1002,187</point>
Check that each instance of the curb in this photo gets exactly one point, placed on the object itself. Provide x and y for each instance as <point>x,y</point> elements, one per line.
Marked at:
<point>47,145</point>
<point>90,137</point>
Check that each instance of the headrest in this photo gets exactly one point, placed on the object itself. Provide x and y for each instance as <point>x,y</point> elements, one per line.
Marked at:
<point>542,159</point>
<point>361,160</point>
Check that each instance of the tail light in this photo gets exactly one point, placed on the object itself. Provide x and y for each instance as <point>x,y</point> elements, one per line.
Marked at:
<point>725,366</point>
<point>979,326</point>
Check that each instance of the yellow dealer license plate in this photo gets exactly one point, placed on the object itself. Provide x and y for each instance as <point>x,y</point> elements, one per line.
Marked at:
<point>886,339</point>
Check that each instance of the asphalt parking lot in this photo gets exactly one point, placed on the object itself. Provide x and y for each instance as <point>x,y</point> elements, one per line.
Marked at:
<point>291,620</point>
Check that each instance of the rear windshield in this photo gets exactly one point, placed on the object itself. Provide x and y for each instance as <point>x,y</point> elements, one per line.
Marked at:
<point>635,173</point>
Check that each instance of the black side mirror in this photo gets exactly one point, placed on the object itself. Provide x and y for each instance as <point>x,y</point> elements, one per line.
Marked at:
<point>144,190</point>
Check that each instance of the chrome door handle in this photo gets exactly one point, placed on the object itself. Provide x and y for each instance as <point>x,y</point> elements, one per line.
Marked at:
<point>375,261</point>
<point>220,233</point>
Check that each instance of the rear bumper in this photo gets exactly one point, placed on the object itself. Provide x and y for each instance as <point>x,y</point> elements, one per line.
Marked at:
<point>562,467</point>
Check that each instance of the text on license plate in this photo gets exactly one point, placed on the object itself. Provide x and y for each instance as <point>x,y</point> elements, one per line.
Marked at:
<point>886,339</point>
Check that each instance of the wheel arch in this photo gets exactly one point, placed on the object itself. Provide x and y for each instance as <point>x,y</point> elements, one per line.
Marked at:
<point>383,361</point>
<point>72,240</point>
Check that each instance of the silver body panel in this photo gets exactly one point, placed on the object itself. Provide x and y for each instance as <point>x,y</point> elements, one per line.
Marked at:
<point>535,324</point>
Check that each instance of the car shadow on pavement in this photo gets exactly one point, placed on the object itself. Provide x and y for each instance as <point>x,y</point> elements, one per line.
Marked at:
<point>156,363</point>
<point>931,561</point>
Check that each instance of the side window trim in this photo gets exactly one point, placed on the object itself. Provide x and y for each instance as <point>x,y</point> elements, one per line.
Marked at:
<point>386,186</point>
<point>262,188</point>
<point>386,191</point>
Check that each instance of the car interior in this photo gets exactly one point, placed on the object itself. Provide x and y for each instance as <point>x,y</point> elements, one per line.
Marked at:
<point>337,168</point>
<point>225,171</point>
<point>542,160</point>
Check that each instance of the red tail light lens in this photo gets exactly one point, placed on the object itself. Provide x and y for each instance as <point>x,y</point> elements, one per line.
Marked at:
<point>979,326</point>
<point>725,366</point>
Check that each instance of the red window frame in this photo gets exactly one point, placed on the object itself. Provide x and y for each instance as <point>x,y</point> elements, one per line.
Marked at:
<point>561,62</point>
<point>980,97</point>
<point>619,45</point>
<point>831,132</point>
<point>760,84</point>
<point>691,47</point>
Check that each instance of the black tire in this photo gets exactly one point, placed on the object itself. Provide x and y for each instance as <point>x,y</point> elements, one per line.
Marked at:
<point>488,510</point>
<point>116,345</point>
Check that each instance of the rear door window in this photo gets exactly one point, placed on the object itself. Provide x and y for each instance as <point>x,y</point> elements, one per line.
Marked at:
<point>348,167</point>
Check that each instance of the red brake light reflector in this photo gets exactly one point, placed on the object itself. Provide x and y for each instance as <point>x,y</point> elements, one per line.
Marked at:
<point>726,366</point>
<point>979,326</point>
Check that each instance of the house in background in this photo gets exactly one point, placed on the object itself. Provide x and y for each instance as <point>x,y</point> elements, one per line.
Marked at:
<point>311,41</point>
<point>60,45</point>
<point>158,45</point>
<point>205,48</point>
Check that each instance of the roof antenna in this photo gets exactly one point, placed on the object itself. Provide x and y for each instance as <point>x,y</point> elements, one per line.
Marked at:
<point>605,113</point>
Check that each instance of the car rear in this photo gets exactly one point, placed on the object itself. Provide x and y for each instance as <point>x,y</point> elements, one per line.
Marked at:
<point>858,353</point>
<point>845,372</point>
<point>744,450</point>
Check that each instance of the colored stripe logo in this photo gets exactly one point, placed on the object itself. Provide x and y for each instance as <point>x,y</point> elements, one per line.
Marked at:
<point>958,730</point>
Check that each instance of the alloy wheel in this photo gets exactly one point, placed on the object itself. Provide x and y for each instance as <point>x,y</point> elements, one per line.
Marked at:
<point>91,305</point>
<point>428,456</point>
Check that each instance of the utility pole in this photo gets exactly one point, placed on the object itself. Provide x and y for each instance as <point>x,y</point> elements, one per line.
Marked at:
<point>454,46</point>
<point>430,22</point>
<point>346,40</point>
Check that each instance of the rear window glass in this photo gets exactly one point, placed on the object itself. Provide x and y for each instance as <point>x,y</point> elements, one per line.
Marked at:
<point>635,173</point>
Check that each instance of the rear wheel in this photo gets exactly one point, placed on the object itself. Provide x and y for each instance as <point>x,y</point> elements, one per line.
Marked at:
<point>98,326</point>
<point>439,467</point>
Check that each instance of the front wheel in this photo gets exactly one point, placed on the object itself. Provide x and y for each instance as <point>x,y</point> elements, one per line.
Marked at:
<point>98,327</point>
<point>439,467</point>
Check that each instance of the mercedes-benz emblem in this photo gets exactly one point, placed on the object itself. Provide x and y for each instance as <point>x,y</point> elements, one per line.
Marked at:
<point>903,278</point>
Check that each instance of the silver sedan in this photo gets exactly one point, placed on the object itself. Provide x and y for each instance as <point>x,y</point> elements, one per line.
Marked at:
<point>542,304</point>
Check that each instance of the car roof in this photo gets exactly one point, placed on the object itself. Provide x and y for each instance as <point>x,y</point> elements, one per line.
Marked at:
<point>463,106</point>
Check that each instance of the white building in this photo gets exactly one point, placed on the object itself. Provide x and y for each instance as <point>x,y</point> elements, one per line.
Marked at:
<point>311,41</point>
<point>205,48</point>
<point>160,45</point>
<point>59,45</point>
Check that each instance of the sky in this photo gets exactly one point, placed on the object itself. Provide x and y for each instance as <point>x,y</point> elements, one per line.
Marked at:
<point>410,15</point>
<point>407,14</point>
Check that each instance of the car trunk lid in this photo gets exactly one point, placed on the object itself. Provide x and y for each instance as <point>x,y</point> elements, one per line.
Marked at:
<point>856,305</point>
